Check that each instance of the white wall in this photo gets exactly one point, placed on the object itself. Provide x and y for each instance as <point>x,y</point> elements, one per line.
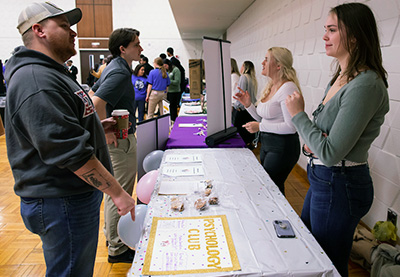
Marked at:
<point>298,25</point>
<point>158,30</point>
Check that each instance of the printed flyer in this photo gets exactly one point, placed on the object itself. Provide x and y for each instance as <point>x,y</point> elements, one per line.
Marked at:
<point>189,170</point>
<point>185,245</point>
<point>180,158</point>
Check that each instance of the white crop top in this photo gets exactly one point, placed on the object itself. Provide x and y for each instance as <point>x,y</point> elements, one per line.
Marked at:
<point>273,114</point>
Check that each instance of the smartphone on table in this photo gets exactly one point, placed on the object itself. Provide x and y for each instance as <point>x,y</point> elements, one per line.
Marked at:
<point>283,229</point>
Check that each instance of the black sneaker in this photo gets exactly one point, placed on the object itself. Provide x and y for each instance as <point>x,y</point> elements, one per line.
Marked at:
<point>126,257</point>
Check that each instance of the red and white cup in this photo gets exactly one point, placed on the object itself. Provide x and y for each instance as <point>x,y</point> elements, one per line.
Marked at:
<point>122,118</point>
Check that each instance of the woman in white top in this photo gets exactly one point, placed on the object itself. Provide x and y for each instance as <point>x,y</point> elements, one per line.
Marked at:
<point>247,82</point>
<point>235,75</point>
<point>280,145</point>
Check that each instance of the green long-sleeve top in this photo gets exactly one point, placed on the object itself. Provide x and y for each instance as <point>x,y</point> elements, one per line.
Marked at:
<point>351,119</point>
<point>175,77</point>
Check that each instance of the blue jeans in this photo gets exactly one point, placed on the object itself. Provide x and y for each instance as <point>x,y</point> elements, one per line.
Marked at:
<point>139,104</point>
<point>336,201</point>
<point>69,230</point>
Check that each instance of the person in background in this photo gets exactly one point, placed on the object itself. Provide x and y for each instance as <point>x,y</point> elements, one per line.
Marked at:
<point>139,81</point>
<point>59,158</point>
<point>240,116</point>
<point>147,69</point>
<point>170,53</point>
<point>344,125</point>
<point>91,79</point>
<point>158,82</point>
<point>235,75</point>
<point>3,82</point>
<point>168,65</point>
<point>144,60</point>
<point>280,145</point>
<point>114,90</point>
<point>163,56</point>
<point>105,61</point>
<point>177,63</point>
<point>72,69</point>
<point>174,91</point>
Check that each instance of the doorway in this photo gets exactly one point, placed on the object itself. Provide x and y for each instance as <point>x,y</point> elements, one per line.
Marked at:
<point>85,61</point>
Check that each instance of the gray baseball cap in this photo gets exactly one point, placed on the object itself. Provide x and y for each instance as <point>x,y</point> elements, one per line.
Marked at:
<point>37,12</point>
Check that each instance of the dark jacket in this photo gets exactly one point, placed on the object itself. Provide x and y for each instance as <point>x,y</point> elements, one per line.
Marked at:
<point>52,127</point>
<point>147,69</point>
<point>73,71</point>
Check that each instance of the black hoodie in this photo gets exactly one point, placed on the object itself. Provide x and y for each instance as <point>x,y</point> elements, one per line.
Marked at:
<point>52,128</point>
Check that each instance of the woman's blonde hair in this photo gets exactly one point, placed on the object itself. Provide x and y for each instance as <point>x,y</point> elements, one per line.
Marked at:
<point>284,58</point>
<point>160,63</point>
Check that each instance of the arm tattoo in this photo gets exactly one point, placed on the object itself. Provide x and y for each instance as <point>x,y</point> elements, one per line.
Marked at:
<point>94,178</point>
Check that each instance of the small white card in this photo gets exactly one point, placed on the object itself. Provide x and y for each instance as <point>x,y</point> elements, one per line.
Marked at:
<point>176,158</point>
<point>174,171</point>
<point>180,187</point>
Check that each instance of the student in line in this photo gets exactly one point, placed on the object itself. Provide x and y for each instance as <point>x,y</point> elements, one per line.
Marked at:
<point>139,81</point>
<point>158,81</point>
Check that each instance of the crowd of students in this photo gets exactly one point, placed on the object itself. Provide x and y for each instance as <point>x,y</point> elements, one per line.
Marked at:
<point>151,88</point>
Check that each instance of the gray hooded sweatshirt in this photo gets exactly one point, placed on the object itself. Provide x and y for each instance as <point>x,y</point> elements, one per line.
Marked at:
<point>52,128</point>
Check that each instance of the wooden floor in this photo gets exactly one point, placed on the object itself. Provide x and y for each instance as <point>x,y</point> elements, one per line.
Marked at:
<point>21,252</point>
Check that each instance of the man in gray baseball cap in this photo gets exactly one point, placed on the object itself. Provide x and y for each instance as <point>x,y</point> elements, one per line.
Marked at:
<point>37,12</point>
<point>59,159</point>
<point>34,25</point>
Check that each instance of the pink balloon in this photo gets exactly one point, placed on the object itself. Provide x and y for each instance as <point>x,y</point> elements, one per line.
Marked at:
<point>145,186</point>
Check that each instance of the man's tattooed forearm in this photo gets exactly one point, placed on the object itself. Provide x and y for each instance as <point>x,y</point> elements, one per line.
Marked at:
<point>94,178</point>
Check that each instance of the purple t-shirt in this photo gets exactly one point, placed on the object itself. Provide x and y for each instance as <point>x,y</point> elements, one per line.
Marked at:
<point>155,78</point>
<point>140,86</point>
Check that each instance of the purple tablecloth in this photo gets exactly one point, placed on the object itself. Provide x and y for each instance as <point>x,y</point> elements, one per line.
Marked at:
<point>184,137</point>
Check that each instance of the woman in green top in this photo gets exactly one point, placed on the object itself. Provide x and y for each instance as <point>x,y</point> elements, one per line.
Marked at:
<point>342,130</point>
<point>174,90</point>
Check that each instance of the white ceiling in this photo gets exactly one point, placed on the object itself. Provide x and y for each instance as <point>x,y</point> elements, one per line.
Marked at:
<point>198,18</point>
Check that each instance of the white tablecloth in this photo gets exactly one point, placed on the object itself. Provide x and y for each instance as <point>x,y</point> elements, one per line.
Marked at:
<point>251,202</point>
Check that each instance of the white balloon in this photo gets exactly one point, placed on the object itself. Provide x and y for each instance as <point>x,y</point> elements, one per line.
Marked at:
<point>129,231</point>
<point>152,161</point>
